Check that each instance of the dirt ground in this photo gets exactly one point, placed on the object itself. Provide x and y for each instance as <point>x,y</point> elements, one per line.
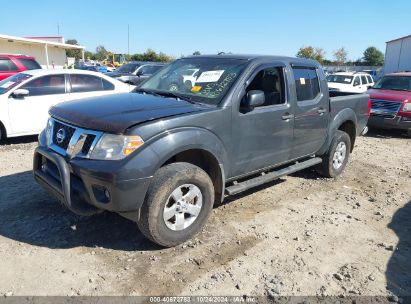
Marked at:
<point>301,235</point>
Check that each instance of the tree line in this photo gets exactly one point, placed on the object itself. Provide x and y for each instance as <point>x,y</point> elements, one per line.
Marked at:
<point>102,53</point>
<point>371,56</point>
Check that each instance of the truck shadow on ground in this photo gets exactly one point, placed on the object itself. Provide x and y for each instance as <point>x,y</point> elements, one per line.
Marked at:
<point>398,273</point>
<point>381,133</point>
<point>19,140</point>
<point>28,214</point>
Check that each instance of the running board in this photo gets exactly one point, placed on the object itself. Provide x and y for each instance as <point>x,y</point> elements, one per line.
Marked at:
<point>268,177</point>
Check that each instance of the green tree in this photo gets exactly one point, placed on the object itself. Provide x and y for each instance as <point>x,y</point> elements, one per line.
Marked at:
<point>340,56</point>
<point>310,52</point>
<point>89,55</point>
<point>73,53</point>
<point>101,53</point>
<point>373,56</point>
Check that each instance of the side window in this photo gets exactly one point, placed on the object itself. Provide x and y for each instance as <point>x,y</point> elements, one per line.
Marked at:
<point>85,83</point>
<point>46,85</point>
<point>357,81</point>
<point>307,84</point>
<point>370,80</point>
<point>149,69</point>
<point>364,79</point>
<point>7,65</point>
<point>107,85</point>
<point>271,82</point>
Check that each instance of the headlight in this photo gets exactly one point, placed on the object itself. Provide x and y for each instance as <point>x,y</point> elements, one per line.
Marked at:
<point>115,147</point>
<point>407,107</point>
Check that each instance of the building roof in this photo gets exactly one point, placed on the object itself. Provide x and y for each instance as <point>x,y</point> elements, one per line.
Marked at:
<point>39,41</point>
<point>401,38</point>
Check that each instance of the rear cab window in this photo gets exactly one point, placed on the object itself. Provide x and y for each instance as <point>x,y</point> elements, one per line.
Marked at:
<point>364,79</point>
<point>307,84</point>
<point>29,64</point>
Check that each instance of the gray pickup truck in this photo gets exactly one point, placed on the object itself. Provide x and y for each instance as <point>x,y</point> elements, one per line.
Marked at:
<point>164,155</point>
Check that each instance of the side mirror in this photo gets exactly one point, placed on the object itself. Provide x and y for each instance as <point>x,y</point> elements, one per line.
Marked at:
<point>20,93</point>
<point>139,73</point>
<point>254,98</point>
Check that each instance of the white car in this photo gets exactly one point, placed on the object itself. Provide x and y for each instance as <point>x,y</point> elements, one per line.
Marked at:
<point>350,82</point>
<point>26,97</point>
<point>190,77</point>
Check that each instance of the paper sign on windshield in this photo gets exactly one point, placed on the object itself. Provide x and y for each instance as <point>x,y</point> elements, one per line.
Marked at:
<point>302,81</point>
<point>347,79</point>
<point>210,76</point>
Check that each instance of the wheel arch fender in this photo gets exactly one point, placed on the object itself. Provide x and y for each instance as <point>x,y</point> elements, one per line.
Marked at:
<point>346,116</point>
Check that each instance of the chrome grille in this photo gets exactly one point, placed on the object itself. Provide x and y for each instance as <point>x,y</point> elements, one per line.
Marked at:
<point>385,108</point>
<point>68,134</point>
<point>72,141</point>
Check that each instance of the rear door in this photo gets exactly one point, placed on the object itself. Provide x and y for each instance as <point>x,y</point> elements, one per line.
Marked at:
<point>28,115</point>
<point>263,137</point>
<point>311,111</point>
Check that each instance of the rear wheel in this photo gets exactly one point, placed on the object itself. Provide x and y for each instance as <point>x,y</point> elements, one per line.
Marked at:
<point>337,156</point>
<point>178,203</point>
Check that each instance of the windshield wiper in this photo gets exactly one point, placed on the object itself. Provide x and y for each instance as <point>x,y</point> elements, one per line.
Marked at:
<point>175,95</point>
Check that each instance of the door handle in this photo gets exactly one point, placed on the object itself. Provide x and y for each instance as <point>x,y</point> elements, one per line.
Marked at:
<point>321,111</point>
<point>287,116</point>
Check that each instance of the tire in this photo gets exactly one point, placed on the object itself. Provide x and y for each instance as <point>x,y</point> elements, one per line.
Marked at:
<point>164,208</point>
<point>173,87</point>
<point>337,156</point>
<point>2,134</point>
<point>408,133</point>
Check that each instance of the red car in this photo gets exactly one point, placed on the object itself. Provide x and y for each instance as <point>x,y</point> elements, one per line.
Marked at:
<point>13,64</point>
<point>391,102</point>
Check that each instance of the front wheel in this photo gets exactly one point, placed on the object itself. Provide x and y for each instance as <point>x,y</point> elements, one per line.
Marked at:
<point>337,156</point>
<point>178,203</point>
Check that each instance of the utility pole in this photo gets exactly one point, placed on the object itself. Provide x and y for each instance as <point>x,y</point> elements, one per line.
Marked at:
<point>128,40</point>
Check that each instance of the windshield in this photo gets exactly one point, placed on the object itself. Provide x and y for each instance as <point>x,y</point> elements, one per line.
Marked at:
<point>397,83</point>
<point>128,68</point>
<point>340,79</point>
<point>213,78</point>
<point>12,81</point>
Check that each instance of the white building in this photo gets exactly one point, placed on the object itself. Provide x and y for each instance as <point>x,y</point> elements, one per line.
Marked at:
<point>49,51</point>
<point>398,55</point>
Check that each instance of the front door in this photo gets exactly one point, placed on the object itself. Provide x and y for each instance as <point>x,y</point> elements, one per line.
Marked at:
<point>263,137</point>
<point>311,111</point>
<point>28,115</point>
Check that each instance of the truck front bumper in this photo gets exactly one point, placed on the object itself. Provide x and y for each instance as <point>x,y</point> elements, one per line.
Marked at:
<point>398,122</point>
<point>85,190</point>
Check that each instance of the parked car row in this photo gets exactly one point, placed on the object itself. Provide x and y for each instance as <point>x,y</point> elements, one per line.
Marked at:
<point>26,97</point>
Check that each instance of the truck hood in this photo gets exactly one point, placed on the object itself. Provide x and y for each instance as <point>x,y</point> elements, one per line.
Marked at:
<point>389,94</point>
<point>115,113</point>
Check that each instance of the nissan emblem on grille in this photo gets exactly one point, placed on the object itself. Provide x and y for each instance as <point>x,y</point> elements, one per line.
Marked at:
<point>61,135</point>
